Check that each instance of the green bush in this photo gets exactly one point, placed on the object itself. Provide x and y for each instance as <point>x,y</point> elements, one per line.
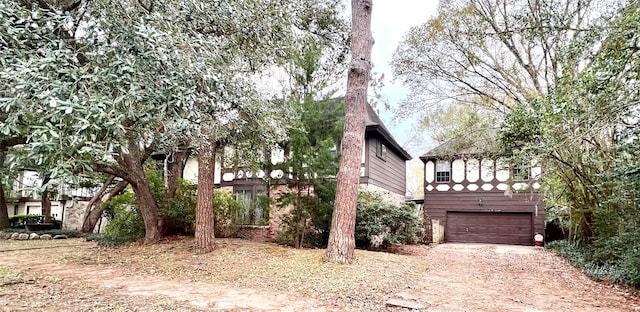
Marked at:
<point>181,209</point>
<point>308,219</point>
<point>229,214</point>
<point>624,270</point>
<point>379,224</point>
<point>53,232</point>
<point>126,225</point>
<point>21,220</point>
<point>93,237</point>
<point>66,232</point>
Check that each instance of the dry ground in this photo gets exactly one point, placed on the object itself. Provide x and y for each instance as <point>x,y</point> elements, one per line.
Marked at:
<point>481,277</point>
<point>74,275</point>
<point>240,275</point>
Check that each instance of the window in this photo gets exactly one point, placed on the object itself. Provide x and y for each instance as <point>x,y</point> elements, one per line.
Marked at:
<point>15,209</point>
<point>520,173</point>
<point>381,151</point>
<point>254,202</point>
<point>443,171</point>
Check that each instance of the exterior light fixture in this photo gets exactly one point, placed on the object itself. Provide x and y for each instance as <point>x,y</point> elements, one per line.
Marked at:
<point>479,201</point>
<point>539,239</point>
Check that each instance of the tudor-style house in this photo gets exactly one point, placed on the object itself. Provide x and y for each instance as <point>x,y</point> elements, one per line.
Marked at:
<point>383,170</point>
<point>477,197</point>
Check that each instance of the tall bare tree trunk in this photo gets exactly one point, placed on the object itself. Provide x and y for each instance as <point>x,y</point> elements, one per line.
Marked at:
<point>341,246</point>
<point>205,237</point>
<point>46,201</point>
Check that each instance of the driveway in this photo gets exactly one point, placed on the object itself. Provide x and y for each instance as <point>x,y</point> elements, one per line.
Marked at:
<point>482,277</point>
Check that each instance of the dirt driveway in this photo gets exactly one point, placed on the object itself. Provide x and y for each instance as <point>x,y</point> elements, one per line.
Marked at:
<point>480,277</point>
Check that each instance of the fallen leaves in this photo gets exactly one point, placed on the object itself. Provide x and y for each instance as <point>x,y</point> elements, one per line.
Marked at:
<point>246,264</point>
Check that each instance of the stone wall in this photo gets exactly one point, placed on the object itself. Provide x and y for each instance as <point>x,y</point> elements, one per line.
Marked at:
<point>259,233</point>
<point>388,196</point>
<point>74,217</point>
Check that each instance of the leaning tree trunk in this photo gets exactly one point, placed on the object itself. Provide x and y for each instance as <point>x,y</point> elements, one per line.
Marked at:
<point>4,214</point>
<point>341,246</point>
<point>46,201</point>
<point>132,170</point>
<point>148,208</point>
<point>95,208</point>
<point>205,236</point>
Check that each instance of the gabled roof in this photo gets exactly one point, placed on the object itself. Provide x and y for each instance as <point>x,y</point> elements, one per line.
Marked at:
<point>374,124</point>
<point>481,142</point>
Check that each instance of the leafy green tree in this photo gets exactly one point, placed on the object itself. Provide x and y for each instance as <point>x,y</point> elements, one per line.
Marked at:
<point>311,156</point>
<point>585,135</point>
<point>102,85</point>
<point>492,56</point>
<point>312,162</point>
<point>5,177</point>
<point>101,80</point>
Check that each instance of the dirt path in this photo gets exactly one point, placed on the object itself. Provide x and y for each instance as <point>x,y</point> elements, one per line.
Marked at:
<point>460,277</point>
<point>478,277</point>
<point>124,292</point>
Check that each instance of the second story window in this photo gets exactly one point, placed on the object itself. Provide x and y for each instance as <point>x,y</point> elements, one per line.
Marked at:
<point>381,151</point>
<point>443,171</point>
<point>520,173</point>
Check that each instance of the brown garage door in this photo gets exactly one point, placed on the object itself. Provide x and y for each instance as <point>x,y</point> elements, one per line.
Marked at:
<point>489,227</point>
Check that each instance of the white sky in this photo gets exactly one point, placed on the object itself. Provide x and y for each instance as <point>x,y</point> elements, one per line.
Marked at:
<point>391,19</point>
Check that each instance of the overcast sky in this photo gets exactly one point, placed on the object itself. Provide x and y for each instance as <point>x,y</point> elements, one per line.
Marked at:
<point>391,19</point>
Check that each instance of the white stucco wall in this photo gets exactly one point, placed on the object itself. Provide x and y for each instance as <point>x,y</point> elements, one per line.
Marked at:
<point>457,171</point>
<point>191,170</point>
<point>430,171</point>
<point>473,170</point>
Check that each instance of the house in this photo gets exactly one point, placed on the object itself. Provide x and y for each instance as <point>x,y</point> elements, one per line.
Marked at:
<point>67,207</point>
<point>472,195</point>
<point>383,170</point>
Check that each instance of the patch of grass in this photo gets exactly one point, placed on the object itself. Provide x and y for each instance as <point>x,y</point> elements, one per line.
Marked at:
<point>9,276</point>
<point>93,237</point>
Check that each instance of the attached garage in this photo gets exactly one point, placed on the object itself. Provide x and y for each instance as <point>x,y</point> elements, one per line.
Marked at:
<point>489,227</point>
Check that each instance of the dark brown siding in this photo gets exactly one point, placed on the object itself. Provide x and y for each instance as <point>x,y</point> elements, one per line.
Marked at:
<point>389,173</point>
<point>438,204</point>
<point>490,227</point>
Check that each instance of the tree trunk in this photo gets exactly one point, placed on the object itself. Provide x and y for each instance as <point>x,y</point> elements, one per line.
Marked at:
<point>4,214</point>
<point>132,170</point>
<point>4,145</point>
<point>148,208</point>
<point>95,207</point>
<point>205,236</point>
<point>341,245</point>
<point>174,172</point>
<point>46,201</point>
